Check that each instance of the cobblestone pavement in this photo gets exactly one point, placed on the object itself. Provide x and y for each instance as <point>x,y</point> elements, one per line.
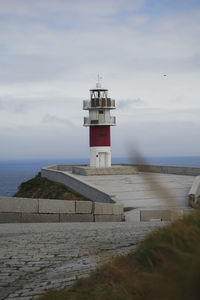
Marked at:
<point>37,257</point>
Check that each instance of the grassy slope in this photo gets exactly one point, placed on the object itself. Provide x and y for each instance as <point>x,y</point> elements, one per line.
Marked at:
<point>166,265</point>
<point>39,187</point>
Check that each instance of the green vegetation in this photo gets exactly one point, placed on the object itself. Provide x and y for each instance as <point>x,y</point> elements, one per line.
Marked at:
<point>39,187</point>
<point>166,265</point>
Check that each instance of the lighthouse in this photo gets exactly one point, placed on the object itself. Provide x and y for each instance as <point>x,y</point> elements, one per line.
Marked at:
<point>99,122</point>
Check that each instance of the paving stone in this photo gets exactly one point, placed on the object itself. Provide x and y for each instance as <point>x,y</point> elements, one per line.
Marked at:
<point>54,255</point>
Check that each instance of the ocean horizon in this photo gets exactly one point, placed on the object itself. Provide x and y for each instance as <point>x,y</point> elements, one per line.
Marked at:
<point>14,172</point>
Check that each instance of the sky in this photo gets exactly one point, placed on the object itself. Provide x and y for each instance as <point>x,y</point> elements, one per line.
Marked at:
<point>51,52</point>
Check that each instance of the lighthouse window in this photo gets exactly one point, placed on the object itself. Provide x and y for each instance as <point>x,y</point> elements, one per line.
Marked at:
<point>102,135</point>
<point>94,94</point>
<point>100,111</point>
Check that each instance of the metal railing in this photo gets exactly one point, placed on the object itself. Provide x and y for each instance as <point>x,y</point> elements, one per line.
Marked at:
<point>99,103</point>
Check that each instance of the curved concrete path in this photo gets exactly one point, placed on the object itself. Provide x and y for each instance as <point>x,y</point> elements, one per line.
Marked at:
<point>37,257</point>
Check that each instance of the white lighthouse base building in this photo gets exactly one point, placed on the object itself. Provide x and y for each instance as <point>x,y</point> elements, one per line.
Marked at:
<point>100,157</point>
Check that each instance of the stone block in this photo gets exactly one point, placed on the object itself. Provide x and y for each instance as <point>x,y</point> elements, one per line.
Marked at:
<point>56,206</point>
<point>103,208</point>
<point>108,218</point>
<point>132,215</point>
<point>84,207</point>
<point>39,218</point>
<point>195,189</point>
<point>10,217</point>
<point>118,209</point>
<point>76,218</point>
<point>150,215</point>
<point>15,204</point>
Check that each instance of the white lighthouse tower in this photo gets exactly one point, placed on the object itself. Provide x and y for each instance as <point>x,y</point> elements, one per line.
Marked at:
<point>99,122</point>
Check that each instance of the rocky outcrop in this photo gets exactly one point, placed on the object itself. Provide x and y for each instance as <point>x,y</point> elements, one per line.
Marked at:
<point>39,187</point>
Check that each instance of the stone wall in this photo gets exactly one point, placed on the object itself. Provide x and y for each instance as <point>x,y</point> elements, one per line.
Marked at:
<point>113,170</point>
<point>28,210</point>
<point>147,215</point>
<point>192,171</point>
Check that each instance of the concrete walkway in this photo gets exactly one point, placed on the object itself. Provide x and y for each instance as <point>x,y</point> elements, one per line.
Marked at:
<point>37,257</point>
<point>138,191</point>
<point>149,191</point>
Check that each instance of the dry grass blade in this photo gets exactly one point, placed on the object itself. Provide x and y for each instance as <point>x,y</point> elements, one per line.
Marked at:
<point>152,179</point>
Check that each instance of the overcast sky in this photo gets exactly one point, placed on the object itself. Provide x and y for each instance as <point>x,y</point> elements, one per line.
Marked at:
<point>51,52</point>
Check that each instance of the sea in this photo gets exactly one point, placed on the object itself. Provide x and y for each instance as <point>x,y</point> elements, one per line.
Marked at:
<point>13,173</point>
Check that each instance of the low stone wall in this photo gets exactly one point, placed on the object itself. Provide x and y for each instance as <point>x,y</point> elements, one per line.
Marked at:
<point>65,168</point>
<point>28,210</point>
<point>192,171</point>
<point>75,184</point>
<point>113,170</point>
<point>147,215</point>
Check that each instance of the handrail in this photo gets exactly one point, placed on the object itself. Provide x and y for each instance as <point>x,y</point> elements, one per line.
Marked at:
<point>99,103</point>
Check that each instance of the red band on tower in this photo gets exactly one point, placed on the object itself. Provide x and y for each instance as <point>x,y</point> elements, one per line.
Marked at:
<point>99,136</point>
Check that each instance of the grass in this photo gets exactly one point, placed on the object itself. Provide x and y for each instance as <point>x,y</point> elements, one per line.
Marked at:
<point>39,187</point>
<point>166,265</point>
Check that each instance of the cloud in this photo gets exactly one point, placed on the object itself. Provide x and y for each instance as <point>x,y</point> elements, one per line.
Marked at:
<point>155,138</point>
<point>18,107</point>
<point>50,53</point>
<point>158,115</point>
<point>54,120</point>
<point>129,103</point>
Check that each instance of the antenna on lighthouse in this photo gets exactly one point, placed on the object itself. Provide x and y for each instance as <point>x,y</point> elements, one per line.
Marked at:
<point>98,85</point>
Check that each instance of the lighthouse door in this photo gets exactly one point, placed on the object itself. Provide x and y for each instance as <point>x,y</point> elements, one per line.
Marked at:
<point>102,159</point>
